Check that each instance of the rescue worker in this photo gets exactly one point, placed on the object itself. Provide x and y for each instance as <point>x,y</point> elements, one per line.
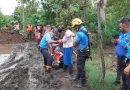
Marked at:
<point>123,41</point>
<point>127,69</point>
<point>81,43</point>
<point>121,56</point>
<point>46,42</point>
<point>30,31</point>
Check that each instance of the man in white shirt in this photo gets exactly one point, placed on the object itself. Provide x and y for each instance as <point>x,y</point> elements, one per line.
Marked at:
<point>17,27</point>
<point>67,48</point>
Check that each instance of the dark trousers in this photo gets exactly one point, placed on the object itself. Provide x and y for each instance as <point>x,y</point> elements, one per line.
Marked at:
<point>81,59</point>
<point>48,59</point>
<point>121,65</point>
<point>17,31</point>
<point>128,76</point>
<point>30,35</point>
<point>128,82</point>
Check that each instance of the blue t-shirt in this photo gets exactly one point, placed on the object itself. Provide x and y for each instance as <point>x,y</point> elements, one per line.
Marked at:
<point>82,39</point>
<point>121,48</point>
<point>44,42</point>
<point>120,51</point>
<point>123,41</point>
<point>128,51</point>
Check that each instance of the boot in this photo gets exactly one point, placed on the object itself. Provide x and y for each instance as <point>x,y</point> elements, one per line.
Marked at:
<point>65,68</point>
<point>71,70</point>
<point>70,76</point>
<point>48,69</point>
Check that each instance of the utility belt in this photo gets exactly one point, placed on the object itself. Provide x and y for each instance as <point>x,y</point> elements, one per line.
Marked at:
<point>84,53</point>
<point>40,49</point>
<point>84,50</point>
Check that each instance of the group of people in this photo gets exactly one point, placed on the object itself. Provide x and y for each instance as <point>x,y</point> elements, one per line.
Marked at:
<point>123,53</point>
<point>58,45</point>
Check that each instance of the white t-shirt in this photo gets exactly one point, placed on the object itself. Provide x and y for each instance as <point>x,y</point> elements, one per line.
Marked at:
<point>67,39</point>
<point>17,27</point>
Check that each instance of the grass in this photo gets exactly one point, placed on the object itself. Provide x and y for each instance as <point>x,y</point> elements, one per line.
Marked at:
<point>93,69</point>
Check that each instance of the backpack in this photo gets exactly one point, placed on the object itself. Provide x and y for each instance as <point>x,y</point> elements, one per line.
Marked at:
<point>89,45</point>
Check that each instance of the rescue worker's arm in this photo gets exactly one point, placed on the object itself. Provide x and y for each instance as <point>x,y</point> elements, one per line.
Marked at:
<point>55,45</point>
<point>123,43</point>
<point>73,35</point>
<point>52,41</point>
<point>127,70</point>
<point>77,40</point>
<point>75,44</point>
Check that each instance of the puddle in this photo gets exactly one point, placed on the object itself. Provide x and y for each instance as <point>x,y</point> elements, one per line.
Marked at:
<point>3,57</point>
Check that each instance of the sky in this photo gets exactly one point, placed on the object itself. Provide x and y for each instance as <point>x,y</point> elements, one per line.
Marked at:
<point>7,6</point>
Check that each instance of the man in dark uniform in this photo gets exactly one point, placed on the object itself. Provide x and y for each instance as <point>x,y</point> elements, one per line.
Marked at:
<point>122,42</point>
<point>81,43</point>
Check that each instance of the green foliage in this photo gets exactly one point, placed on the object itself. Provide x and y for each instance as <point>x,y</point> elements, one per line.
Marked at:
<point>93,69</point>
<point>63,11</point>
<point>4,20</point>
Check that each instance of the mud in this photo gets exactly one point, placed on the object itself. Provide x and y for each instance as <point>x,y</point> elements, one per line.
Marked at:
<point>11,37</point>
<point>23,71</point>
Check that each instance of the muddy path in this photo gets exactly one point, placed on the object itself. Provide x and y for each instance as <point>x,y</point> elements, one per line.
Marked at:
<point>23,71</point>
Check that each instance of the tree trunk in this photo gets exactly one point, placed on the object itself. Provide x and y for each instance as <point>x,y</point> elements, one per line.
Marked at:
<point>68,16</point>
<point>57,17</point>
<point>100,44</point>
<point>84,5</point>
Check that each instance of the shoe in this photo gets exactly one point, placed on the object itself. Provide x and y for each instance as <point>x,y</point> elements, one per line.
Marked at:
<point>116,83</point>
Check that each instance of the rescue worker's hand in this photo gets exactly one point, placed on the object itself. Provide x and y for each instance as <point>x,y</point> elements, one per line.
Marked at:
<point>115,41</point>
<point>60,41</point>
<point>127,70</point>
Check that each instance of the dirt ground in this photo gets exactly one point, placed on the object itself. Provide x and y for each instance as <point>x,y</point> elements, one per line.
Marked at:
<point>11,37</point>
<point>23,71</point>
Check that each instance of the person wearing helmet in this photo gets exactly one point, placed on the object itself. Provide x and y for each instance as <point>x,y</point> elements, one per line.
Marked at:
<point>81,43</point>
